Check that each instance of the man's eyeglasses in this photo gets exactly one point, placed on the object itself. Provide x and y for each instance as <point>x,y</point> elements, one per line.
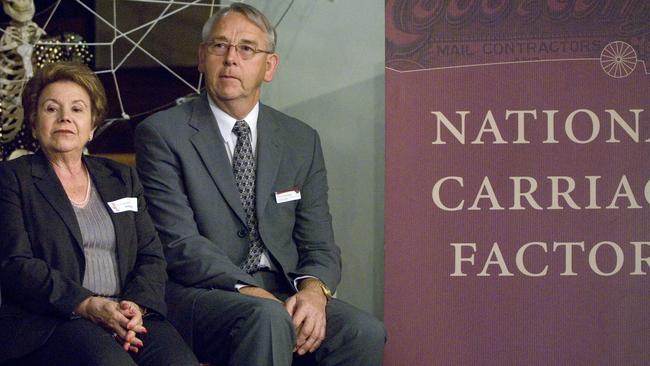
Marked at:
<point>245,51</point>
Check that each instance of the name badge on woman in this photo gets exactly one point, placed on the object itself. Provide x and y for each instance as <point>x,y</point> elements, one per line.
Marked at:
<point>124,204</point>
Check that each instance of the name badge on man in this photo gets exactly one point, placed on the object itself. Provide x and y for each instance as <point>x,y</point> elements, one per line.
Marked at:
<point>292,194</point>
<point>124,204</point>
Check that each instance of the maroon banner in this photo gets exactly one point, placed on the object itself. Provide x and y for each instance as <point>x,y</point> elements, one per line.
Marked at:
<point>517,182</point>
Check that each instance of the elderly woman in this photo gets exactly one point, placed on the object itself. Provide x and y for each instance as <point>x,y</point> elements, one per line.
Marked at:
<point>81,266</point>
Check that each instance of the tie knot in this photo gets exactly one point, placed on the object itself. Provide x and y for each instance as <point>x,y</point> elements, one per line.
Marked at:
<point>241,129</point>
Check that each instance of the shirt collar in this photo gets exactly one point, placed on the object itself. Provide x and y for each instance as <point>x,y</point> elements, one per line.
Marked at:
<point>226,122</point>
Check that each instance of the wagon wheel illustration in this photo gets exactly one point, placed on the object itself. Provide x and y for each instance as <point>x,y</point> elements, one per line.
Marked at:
<point>618,59</point>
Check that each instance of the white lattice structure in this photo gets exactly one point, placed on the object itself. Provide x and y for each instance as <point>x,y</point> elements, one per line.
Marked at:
<point>22,36</point>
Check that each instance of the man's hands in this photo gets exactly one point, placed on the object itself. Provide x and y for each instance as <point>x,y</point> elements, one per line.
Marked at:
<point>307,309</point>
<point>124,319</point>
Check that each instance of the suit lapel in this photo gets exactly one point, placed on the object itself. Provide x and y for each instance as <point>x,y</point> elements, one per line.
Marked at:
<point>51,189</point>
<point>269,154</point>
<point>209,144</point>
<point>111,186</point>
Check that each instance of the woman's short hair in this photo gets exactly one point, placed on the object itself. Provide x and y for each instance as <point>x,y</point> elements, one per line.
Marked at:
<point>77,73</point>
<point>251,13</point>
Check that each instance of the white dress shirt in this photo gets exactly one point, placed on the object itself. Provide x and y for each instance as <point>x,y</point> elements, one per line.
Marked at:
<point>226,124</point>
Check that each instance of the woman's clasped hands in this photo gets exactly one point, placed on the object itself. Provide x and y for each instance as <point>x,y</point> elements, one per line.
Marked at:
<point>123,319</point>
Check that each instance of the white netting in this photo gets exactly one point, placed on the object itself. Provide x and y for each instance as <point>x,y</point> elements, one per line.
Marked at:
<point>22,43</point>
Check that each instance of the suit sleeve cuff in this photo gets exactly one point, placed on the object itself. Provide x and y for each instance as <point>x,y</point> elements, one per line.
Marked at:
<point>297,280</point>
<point>240,285</point>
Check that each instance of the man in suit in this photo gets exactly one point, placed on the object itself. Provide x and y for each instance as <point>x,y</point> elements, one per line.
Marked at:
<point>238,192</point>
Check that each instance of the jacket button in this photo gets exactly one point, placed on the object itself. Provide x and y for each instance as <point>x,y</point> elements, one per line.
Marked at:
<point>242,233</point>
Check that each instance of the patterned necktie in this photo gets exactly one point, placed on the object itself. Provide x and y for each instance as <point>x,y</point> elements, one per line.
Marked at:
<point>244,166</point>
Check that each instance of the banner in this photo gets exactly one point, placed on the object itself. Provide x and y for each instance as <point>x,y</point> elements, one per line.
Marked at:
<point>517,221</point>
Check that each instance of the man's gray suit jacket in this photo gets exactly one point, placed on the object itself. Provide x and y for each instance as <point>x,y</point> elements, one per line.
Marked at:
<point>195,205</point>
